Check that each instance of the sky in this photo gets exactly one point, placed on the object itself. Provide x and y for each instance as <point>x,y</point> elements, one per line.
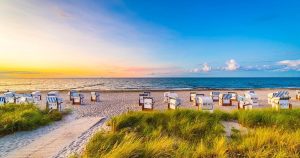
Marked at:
<point>134,38</point>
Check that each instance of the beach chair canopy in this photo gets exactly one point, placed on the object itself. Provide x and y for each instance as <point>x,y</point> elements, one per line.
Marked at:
<point>215,93</point>
<point>227,96</point>
<point>173,95</point>
<point>282,95</point>
<point>206,99</point>
<point>52,99</point>
<point>72,92</point>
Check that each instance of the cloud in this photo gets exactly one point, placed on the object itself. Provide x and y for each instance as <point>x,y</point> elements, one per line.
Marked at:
<point>205,68</point>
<point>232,65</point>
<point>290,63</point>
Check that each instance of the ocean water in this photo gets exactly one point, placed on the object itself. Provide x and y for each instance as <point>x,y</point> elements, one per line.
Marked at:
<point>147,83</point>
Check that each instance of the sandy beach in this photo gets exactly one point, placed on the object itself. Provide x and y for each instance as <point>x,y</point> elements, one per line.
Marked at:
<point>112,103</point>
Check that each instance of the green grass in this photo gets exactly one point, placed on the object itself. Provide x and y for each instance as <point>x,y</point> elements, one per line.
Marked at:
<point>14,117</point>
<point>188,133</point>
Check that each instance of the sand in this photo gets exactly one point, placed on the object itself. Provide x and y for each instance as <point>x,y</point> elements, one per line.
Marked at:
<point>112,103</point>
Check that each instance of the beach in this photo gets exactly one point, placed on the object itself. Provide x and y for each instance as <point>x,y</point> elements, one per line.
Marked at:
<point>112,103</point>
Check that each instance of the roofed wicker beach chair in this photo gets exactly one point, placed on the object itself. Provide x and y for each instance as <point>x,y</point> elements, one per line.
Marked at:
<point>225,99</point>
<point>77,98</point>
<point>215,96</point>
<point>95,96</point>
<point>251,97</point>
<point>198,95</point>
<point>148,103</point>
<point>281,100</point>
<point>141,97</point>
<point>10,97</point>
<point>71,94</point>
<point>193,96</point>
<point>54,103</point>
<point>24,99</point>
<point>244,103</point>
<point>297,94</point>
<point>173,101</point>
<point>37,96</point>
<point>205,103</point>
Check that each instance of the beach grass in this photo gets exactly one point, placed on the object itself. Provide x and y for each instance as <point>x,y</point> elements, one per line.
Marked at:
<point>188,133</point>
<point>23,117</point>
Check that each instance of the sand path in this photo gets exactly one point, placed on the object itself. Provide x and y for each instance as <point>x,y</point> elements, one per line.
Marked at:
<point>50,144</point>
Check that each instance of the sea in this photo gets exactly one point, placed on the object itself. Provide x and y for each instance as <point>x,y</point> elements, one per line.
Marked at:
<point>148,83</point>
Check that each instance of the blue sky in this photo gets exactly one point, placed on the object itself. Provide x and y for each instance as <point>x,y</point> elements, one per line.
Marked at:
<point>157,38</point>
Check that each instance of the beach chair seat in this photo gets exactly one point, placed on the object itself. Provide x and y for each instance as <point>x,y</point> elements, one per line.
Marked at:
<point>148,103</point>
<point>95,96</point>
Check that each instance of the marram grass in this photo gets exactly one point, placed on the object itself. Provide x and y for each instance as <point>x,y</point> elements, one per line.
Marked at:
<point>188,133</point>
<point>21,117</point>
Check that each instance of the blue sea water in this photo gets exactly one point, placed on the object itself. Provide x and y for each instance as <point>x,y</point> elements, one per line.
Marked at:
<point>147,83</point>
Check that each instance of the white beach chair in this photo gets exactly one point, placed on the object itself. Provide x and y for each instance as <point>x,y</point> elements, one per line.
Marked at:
<point>10,97</point>
<point>166,96</point>
<point>141,97</point>
<point>198,95</point>
<point>215,96</point>
<point>24,99</point>
<point>37,96</point>
<point>205,103</point>
<point>174,103</point>
<point>95,96</point>
<point>297,94</point>
<point>225,99</point>
<point>72,93</point>
<point>148,103</point>
<point>281,100</point>
<point>251,97</point>
<point>53,103</point>
<point>77,98</point>
<point>193,96</point>
<point>244,103</point>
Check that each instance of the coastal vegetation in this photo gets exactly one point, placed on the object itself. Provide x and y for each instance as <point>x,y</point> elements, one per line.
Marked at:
<point>188,133</point>
<point>23,117</point>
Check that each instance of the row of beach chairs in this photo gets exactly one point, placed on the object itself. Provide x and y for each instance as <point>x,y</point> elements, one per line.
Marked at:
<point>278,100</point>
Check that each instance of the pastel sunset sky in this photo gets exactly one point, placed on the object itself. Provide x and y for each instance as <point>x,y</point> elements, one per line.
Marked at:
<point>155,38</point>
